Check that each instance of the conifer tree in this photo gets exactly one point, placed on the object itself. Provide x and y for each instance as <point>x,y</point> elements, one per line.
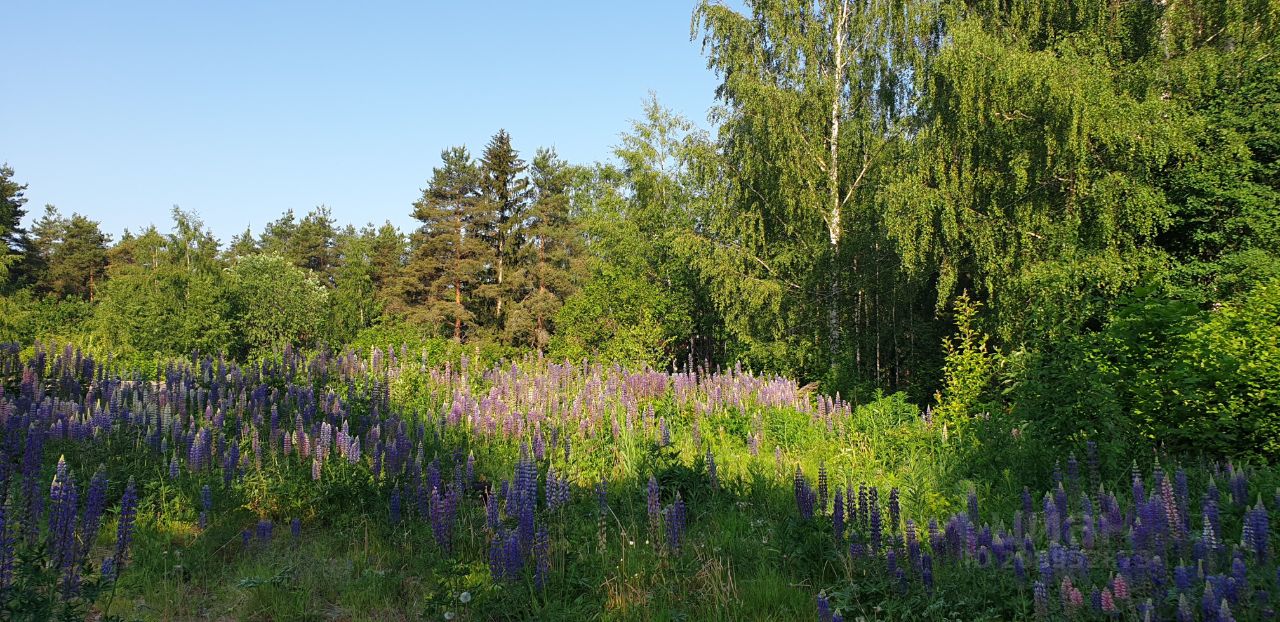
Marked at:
<point>504,194</point>
<point>447,259</point>
<point>546,261</point>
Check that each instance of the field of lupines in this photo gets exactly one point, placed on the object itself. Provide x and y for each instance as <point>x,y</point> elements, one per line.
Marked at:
<point>385,486</point>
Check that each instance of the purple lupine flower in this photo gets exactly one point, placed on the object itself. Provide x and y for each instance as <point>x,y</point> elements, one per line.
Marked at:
<point>1209,602</point>
<point>246,537</point>
<point>895,510</point>
<point>497,563</point>
<point>64,501</point>
<point>109,569</point>
<point>1185,613</point>
<point>512,560</point>
<point>1028,509</point>
<point>1224,613</point>
<point>95,505</point>
<point>913,544</point>
<point>676,524</point>
<point>805,496</point>
<point>1183,576</point>
<point>837,516</point>
<point>1211,522</point>
<point>822,488</point>
<point>1239,486</point>
<point>1257,528</point>
<point>664,433</point>
<point>264,530</point>
<point>1040,594</point>
<point>1019,567</point>
<point>926,571</point>
<point>1073,472</point>
<point>124,524</point>
<point>295,528</point>
<point>713,478</point>
<point>973,506</point>
<point>395,506</point>
<point>824,609</point>
<point>173,466</point>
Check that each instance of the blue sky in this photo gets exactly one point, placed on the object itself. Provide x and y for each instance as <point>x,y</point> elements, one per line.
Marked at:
<point>241,110</point>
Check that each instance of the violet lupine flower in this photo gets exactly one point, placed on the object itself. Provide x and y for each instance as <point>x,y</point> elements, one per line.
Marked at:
<point>926,571</point>
<point>395,506</point>
<point>602,497</point>
<point>1183,576</point>
<point>1040,595</point>
<point>863,514</point>
<point>95,505</point>
<point>64,501</point>
<point>1239,486</point>
<point>124,524</point>
<point>676,524</point>
<point>246,537</point>
<point>824,609</point>
<point>1224,613</point>
<point>512,560</point>
<point>264,530</point>
<point>1073,472</point>
<point>233,461</point>
<point>1185,613</point>
<point>1209,602</point>
<point>973,506</point>
<point>1019,567</point>
<point>497,565</point>
<point>822,488</point>
<point>1028,508</point>
<point>1256,530</point>
<point>895,510</point>
<point>664,433</point>
<point>1095,599</point>
<point>805,496</point>
<point>1211,520</point>
<point>109,569</point>
<point>173,467</point>
<point>295,528</point>
<point>837,516</point>
<point>1183,498</point>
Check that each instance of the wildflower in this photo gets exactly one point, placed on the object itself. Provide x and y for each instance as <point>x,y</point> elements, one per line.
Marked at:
<point>824,609</point>
<point>295,528</point>
<point>837,516</point>
<point>676,524</point>
<point>124,524</point>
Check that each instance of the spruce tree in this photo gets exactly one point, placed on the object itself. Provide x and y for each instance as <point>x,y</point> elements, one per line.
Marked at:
<point>505,193</point>
<point>546,261</point>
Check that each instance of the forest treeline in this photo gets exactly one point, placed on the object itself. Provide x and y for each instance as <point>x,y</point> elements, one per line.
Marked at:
<point>1062,213</point>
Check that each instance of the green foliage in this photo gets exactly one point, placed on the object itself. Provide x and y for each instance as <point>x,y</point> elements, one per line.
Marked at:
<point>616,316</point>
<point>1206,381</point>
<point>969,369</point>
<point>274,304</point>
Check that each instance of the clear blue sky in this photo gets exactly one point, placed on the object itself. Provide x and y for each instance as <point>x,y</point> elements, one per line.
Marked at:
<point>241,110</point>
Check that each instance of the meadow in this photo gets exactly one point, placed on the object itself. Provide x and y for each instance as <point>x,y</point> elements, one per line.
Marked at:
<point>385,485</point>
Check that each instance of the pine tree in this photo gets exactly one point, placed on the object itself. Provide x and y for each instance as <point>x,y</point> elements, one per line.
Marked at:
<point>447,259</point>
<point>71,255</point>
<point>12,236</point>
